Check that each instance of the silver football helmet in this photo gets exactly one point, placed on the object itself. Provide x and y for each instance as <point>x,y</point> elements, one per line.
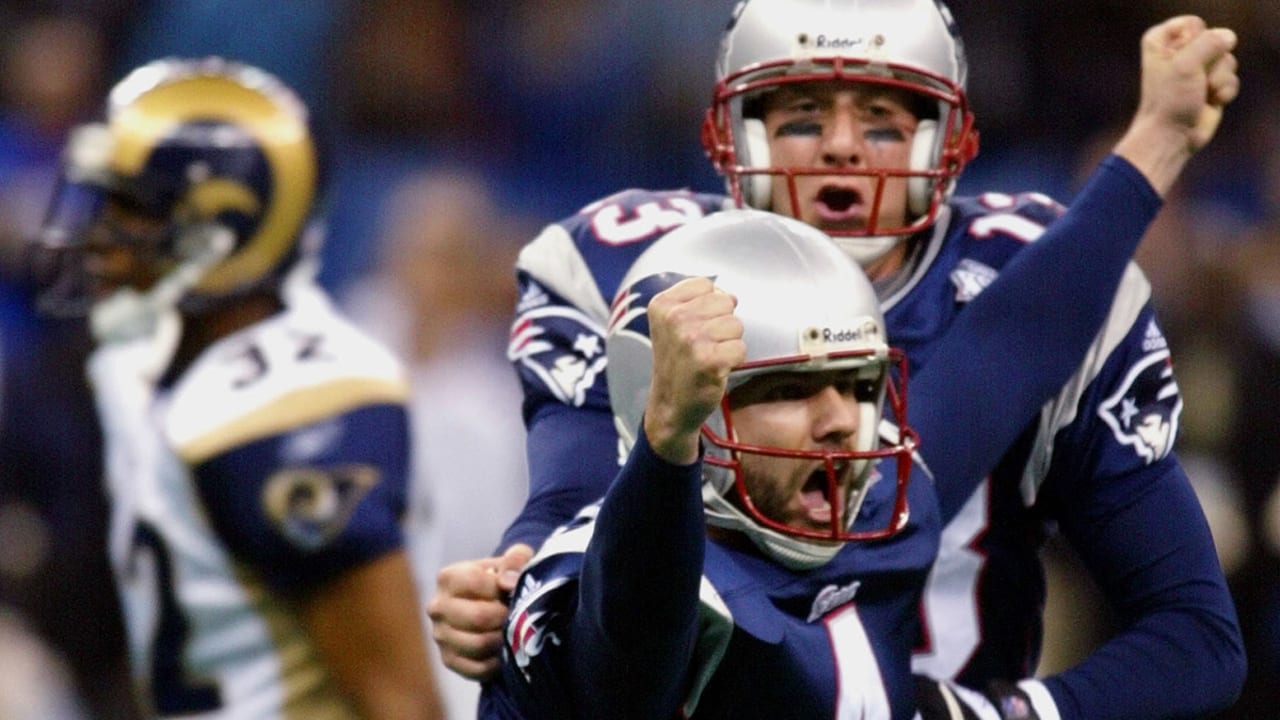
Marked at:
<point>911,45</point>
<point>805,307</point>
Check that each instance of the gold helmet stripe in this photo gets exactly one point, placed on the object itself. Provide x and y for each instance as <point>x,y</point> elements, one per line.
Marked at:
<point>281,133</point>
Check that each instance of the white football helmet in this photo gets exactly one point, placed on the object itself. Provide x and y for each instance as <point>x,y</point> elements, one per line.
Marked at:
<point>906,44</point>
<point>805,307</point>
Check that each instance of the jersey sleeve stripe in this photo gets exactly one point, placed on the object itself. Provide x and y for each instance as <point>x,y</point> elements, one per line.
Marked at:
<point>556,263</point>
<point>294,409</point>
<point>1131,297</point>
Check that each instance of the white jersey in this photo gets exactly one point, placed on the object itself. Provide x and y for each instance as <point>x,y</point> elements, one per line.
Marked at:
<point>273,463</point>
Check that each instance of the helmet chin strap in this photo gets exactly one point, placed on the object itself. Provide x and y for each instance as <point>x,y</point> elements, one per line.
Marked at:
<point>128,314</point>
<point>868,249</point>
<point>791,552</point>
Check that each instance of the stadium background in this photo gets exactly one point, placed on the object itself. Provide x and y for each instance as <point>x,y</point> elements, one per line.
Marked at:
<point>540,106</point>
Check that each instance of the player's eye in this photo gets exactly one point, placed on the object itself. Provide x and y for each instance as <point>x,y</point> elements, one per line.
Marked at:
<point>791,390</point>
<point>864,390</point>
<point>860,389</point>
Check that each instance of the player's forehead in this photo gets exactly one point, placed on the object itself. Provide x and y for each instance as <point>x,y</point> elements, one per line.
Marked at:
<point>826,91</point>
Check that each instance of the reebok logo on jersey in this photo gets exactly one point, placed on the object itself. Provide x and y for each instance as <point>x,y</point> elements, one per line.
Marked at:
<point>831,597</point>
<point>533,296</point>
<point>1153,339</point>
<point>970,278</point>
<point>1143,413</point>
<point>307,443</point>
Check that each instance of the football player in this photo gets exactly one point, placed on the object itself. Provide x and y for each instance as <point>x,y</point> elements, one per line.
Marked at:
<point>779,576</point>
<point>256,441</point>
<point>852,116</point>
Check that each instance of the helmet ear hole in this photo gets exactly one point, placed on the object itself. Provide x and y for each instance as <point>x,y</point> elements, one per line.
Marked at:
<point>925,153</point>
<point>757,188</point>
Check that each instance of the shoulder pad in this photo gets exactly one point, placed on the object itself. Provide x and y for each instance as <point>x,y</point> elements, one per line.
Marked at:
<point>288,371</point>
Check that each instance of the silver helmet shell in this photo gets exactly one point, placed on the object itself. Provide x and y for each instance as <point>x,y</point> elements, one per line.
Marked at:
<point>805,307</point>
<point>908,44</point>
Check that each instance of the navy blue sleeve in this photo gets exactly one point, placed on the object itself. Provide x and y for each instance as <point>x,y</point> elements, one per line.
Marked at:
<point>1043,310</point>
<point>306,505</point>
<point>1124,503</point>
<point>1180,654</point>
<point>572,454</point>
<point>635,628</point>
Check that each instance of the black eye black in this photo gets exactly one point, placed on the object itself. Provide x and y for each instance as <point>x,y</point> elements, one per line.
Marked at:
<point>887,134</point>
<point>799,128</point>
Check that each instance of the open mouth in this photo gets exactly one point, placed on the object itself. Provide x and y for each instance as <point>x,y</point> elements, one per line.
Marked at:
<point>838,204</point>
<point>815,497</point>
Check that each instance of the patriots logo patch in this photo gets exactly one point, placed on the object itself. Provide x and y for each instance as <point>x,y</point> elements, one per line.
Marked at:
<point>1143,414</point>
<point>628,312</point>
<point>529,625</point>
<point>560,346</point>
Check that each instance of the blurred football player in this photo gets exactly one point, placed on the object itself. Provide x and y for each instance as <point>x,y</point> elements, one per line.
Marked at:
<point>852,116</point>
<point>256,440</point>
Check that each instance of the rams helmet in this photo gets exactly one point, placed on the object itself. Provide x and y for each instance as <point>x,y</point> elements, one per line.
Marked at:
<point>213,149</point>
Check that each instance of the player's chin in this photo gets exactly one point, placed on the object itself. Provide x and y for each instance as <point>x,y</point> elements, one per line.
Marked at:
<point>820,536</point>
<point>812,525</point>
<point>842,226</point>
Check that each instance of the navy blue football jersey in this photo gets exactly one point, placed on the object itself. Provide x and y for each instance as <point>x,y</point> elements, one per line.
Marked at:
<point>1081,466</point>
<point>749,638</point>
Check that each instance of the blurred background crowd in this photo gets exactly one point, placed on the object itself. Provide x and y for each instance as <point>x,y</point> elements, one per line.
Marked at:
<point>454,129</point>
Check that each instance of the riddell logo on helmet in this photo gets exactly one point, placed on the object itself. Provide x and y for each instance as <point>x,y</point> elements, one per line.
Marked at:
<point>823,42</point>
<point>844,335</point>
